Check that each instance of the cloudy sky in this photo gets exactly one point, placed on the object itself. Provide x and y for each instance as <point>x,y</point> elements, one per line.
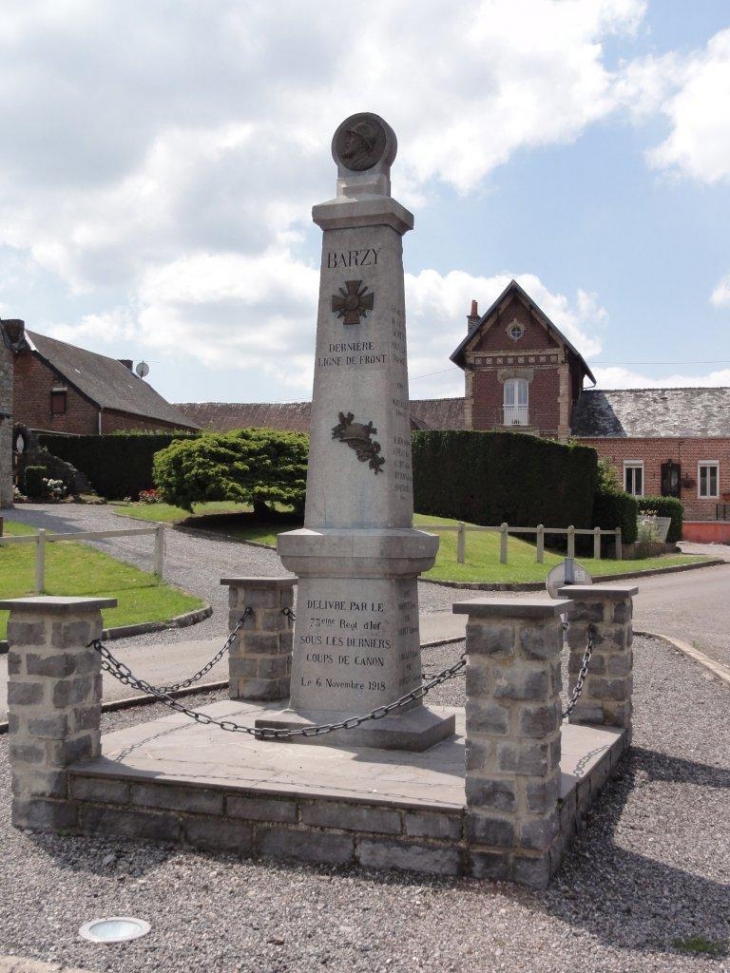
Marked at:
<point>160,159</point>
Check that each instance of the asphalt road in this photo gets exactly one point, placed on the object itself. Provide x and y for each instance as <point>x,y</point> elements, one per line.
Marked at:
<point>693,606</point>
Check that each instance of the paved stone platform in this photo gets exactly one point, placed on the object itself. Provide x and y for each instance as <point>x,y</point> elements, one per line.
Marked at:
<point>179,781</point>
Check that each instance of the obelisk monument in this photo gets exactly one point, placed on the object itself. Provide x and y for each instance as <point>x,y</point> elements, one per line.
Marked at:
<point>356,637</point>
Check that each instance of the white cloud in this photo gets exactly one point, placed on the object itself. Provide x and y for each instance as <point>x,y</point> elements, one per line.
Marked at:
<point>698,145</point>
<point>721,294</point>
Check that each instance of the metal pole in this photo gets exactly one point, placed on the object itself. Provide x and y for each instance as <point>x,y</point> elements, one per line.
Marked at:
<point>540,543</point>
<point>503,544</point>
<point>461,544</point>
<point>597,543</point>
<point>159,550</point>
<point>40,562</point>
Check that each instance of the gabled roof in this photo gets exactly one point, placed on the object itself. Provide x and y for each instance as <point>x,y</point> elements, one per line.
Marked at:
<point>513,289</point>
<point>295,416</point>
<point>651,413</point>
<point>105,381</point>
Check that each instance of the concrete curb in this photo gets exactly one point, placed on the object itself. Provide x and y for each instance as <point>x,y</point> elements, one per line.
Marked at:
<point>142,628</point>
<point>716,668</point>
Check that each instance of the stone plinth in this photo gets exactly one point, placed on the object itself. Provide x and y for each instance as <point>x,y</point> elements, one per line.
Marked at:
<point>513,721</point>
<point>606,696</point>
<point>54,702</point>
<point>259,658</point>
<point>356,641</point>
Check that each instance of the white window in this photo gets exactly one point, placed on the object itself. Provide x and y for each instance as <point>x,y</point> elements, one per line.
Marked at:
<point>634,477</point>
<point>515,401</point>
<point>708,478</point>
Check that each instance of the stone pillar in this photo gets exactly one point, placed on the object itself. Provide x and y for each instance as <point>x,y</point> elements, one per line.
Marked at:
<point>358,557</point>
<point>513,721</point>
<point>54,702</point>
<point>259,659</point>
<point>606,696</point>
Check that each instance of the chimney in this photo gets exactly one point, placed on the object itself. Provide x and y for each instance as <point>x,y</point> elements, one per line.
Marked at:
<point>15,330</point>
<point>472,319</point>
<point>127,362</point>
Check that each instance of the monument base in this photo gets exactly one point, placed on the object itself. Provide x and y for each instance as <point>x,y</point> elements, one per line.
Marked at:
<point>416,730</point>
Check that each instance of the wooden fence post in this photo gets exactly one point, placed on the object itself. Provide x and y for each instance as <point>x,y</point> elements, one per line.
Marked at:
<point>619,545</point>
<point>461,544</point>
<point>597,543</point>
<point>159,550</point>
<point>503,544</point>
<point>571,541</point>
<point>540,543</point>
<point>40,562</point>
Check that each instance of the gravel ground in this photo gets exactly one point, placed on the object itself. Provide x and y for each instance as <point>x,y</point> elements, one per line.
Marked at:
<point>651,869</point>
<point>193,562</point>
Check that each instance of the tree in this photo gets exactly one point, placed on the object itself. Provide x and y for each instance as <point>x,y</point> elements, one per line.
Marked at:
<point>258,466</point>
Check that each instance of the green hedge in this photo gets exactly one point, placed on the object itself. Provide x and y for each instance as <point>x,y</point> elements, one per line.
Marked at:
<point>666,507</point>
<point>612,509</point>
<point>490,478</point>
<point>118,465</point>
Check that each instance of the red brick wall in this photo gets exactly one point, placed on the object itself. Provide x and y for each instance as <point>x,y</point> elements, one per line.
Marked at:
<point>686,452</point>
<point>495,338</point>
<point>537,351</point>
<point>34,381</point>
<point>32,400</point>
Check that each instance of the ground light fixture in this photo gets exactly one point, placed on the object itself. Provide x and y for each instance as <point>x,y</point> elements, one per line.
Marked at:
<point>115,929</point>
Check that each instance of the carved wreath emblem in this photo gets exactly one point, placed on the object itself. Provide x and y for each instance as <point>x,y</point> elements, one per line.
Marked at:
<point>357,436</point>
<point>352,302</point>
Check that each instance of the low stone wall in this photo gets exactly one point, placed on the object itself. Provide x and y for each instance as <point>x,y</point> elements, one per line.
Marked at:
<point>314,829</point>
<point>520,811</point>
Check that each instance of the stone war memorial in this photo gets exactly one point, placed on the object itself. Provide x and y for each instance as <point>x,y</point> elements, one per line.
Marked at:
<point>328,749</point>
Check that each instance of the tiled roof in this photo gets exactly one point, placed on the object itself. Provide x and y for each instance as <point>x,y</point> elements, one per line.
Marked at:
<point>106,381</point>
<point>651,413</point>
<point>295,416</point>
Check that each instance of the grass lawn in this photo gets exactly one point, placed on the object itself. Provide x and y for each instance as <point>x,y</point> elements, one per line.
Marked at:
<point>76,569</point>
<point>482,549</point>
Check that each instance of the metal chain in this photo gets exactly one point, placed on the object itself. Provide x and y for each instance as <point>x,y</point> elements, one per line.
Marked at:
<point>288,613</point>
<point>124,674</point>
<point>585,662</point>
<point>166,690</point>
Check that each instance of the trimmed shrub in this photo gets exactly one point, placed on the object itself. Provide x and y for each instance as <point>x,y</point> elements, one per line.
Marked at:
<point>612,509</point>
<point>118,465</point>
<point>256,466</point>
<point>665,507</point>
<point>489,478</point>
<point>34,484</point>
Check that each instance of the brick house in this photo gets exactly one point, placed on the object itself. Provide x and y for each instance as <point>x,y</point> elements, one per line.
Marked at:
<point>64,389</point>
<point>522,374</point>
<point>6,423</point>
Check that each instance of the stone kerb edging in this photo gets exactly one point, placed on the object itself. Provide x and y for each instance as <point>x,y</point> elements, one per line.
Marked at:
<point>54,702</point>
<point>260,656</point>
<point>608,688</point>
<point>513,738</point>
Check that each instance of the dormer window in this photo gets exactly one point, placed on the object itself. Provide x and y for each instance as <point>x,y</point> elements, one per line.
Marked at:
<point>58,401</point>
